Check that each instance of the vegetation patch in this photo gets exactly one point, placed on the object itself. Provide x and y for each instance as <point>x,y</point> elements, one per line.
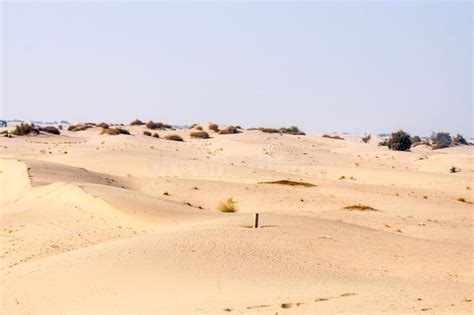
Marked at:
<point>25,129</point>
<point>227,206</point>
<point>173,138</point>
<point>137,122</point>
<point>200,135</point>
<point>359,207</point>
<point>336,137</point>
<point>79,127</point>
<point>50,129</point>
<point>229,130</point>
<point>289,183</point>
<point>114,131</point>
<point>213,127</point>
<point>399,141</point>
<point>147,133</point>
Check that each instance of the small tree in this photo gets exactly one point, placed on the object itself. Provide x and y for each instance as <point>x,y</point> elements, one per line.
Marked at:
<point>459,139</point>
<point>399,141</point>
<point>442,140</point>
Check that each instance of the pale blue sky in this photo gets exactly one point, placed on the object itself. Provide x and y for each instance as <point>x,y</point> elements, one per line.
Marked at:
<point>345,66</point>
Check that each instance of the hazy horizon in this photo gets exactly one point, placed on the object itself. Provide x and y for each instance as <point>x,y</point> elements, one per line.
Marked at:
<point>345,67</point>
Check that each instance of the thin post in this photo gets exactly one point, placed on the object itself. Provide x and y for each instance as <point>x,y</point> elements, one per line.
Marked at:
<point>255,225</point>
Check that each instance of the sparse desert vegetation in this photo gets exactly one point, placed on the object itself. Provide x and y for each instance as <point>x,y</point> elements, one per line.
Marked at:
<point>335,137</point>
<point>137,122</point>
<point>213,127</point>
<point>25,129</point>
<point>173,138</point>
<point>399,141</point>
<point>114,131</point>
<point>289,183</point>
<point>50,129</point>
<point>359,207</point>
<point>229,130</point>
<point>79,127</point>
<point>227,206</point>
<point>147,133</point>
<point>199,135</point>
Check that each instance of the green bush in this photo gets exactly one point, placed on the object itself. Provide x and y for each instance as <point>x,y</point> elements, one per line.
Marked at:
<point>25,129</point>
<point>441,140</point>
<point>399,141</point>
<point>459,139</point>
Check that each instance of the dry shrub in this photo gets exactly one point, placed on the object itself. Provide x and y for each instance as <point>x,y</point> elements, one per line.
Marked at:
<point>155,135</point>
<point>229,130</point>
<point>137,122</point>
<point>292,130</point>
<point>200,135</point>
<point>50,129</point>
<point>462,199</point>
<point>79,127</point>
<point>366,138</point>
<point>214,127</point>
<point>192,126</point>
<point>147,133</point>
<point>359,207</point>
<point>198,128</point>
<point>336,137</point>
<point>114,131</point>
<point>25,129</point>
<point>173,138</point>
<point>103,125</point>
<point>227,206</point>
<point>289,183</point>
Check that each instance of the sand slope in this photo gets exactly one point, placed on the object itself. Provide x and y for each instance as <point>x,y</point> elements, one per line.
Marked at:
<point>91,230</point>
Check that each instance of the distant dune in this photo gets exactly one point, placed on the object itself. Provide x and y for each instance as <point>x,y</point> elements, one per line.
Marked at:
<point>95,223</point>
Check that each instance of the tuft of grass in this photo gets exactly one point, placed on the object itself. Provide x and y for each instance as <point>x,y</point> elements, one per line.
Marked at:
<point>342,177</point>
<point>25,129</point>
<point>103,125</point>
<point>462,199</point>
<point>336,137</point>
<point>227,206</point>
<point>155,135</point>
<point>166,193</point>
<point>173,138</point>
<point>200,135</point>
<point>79,127</point>
<point>289,183</point>
<point>147,133</point>
<point>453,169</point>
<point>359,207</point>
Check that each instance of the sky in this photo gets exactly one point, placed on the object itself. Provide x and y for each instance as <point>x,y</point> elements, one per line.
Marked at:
<point>359,67</point>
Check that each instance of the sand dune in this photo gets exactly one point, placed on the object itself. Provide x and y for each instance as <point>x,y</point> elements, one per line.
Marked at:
<point>93,223</point>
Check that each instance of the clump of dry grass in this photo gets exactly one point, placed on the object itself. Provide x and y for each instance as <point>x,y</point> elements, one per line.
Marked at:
<point>198,128</point>
<point>103,125</point>
<point>137,122</point>
<point>227,206</point>
<point>453,169</point>
<point>25,129</point>
<point>79,127</point>
<point>336,137</point>
<point>173,138</point>
<point>229,130</point>
<point>200,135</point>
<point>50,129</point>
<point>366,138</point>
<point>214,127</point>
<point>359,207</point>
<point>155,135</point>
<point>114,131</point>
<point>462,199</point>
<point>289,183</point>
<point>147,133</point>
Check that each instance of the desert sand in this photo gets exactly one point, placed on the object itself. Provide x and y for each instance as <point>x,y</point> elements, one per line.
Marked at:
<point>86,225</point>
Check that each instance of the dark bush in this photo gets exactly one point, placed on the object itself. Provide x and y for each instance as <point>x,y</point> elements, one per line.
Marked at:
<point>415,139</point>
<point>214,127</point>
<point>25,129</point>
<point>50,129</point>
<point>229,130</point>
<point>399,141</point>
<point>114,131</point>
<point>79,127</point>
<point>366,138</point>
<point>137,122</point>
<point>200,135</point>
<point>103,125</point>
<point>292,130</point>
<point>155,135</point>
<point>441,140</point>
<point>173,138</point>
<point>147,133</point>
<point>198,128</point>
<point>459,139</point>
<point>336,137</point>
